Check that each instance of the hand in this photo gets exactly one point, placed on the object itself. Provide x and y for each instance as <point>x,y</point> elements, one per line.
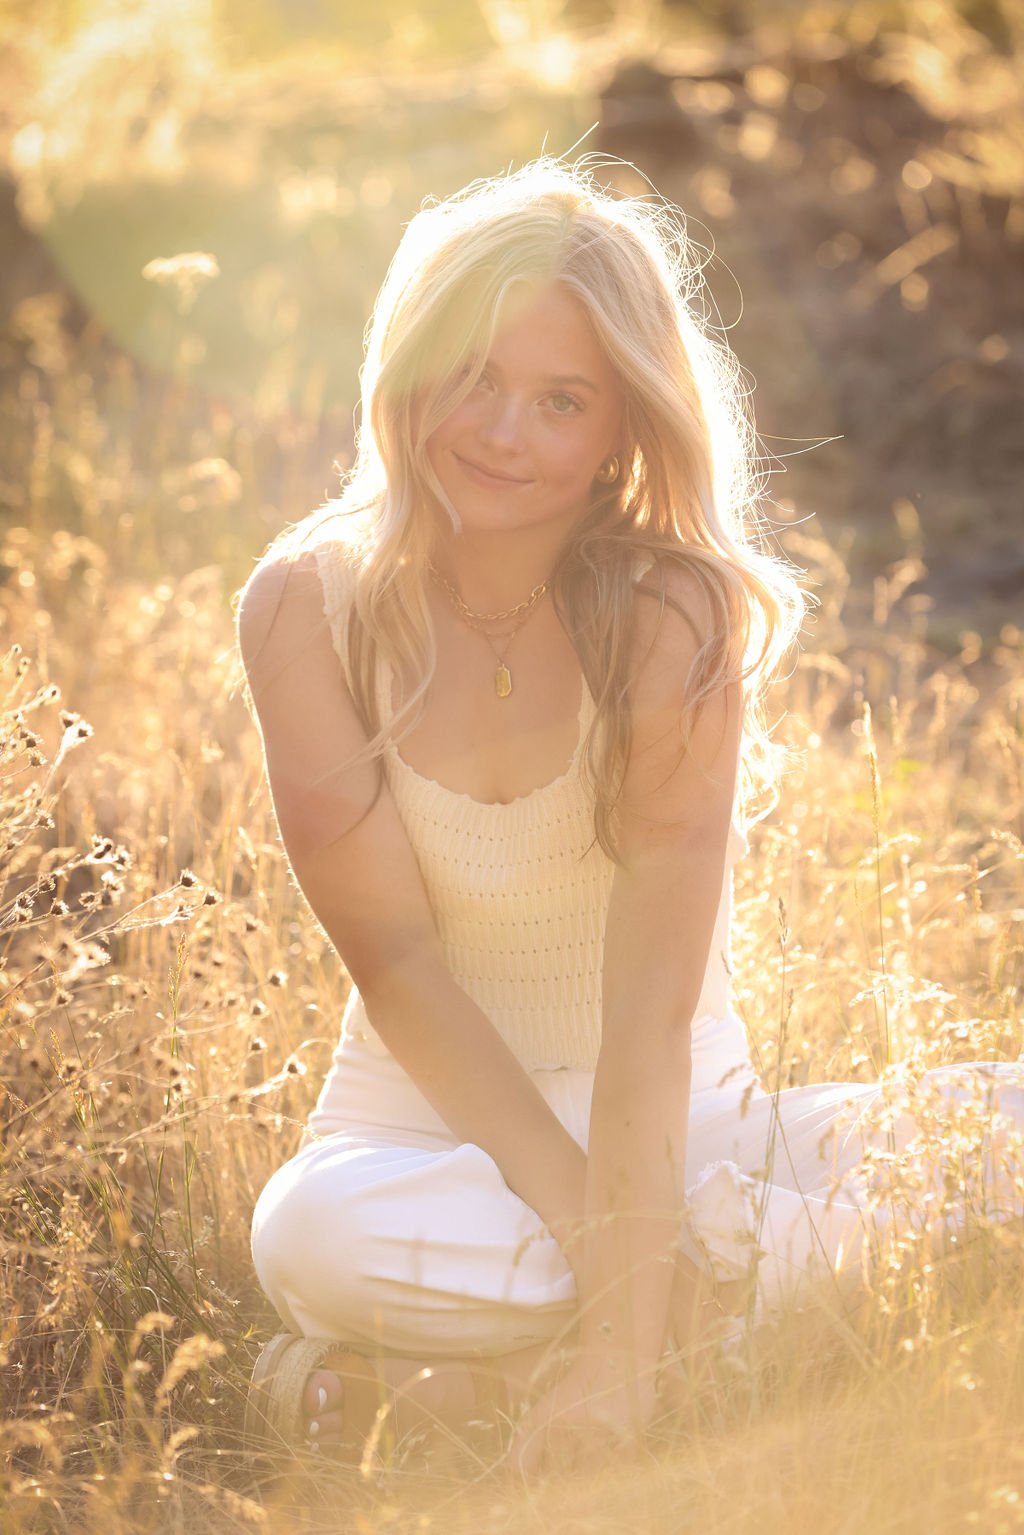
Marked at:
<point>596,1405</point>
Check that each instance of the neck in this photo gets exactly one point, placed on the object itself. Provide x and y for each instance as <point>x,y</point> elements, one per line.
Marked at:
<point>495,571</point>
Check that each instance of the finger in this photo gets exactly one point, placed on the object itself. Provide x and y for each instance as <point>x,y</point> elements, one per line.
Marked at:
<point>520,1450</point>
<point>565,1444</point>
<point>525,1455</point>
<point>529,1445</point>
<point>567,1451</point>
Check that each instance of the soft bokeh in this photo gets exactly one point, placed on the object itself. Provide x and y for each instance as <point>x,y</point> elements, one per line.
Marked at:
<point>197,204</point>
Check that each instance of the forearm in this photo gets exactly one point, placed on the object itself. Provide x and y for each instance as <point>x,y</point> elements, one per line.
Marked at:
<point>436,1032</point>
<point>474,1081</point>
<point>634,1192</point>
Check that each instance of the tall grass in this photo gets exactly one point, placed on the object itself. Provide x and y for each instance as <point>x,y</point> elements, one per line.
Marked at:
<point>169,1003</point>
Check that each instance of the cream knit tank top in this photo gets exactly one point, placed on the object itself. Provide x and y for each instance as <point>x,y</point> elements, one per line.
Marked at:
<point>519,892</point>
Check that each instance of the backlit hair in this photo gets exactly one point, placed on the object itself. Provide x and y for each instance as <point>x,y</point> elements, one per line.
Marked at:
<point>690,484</point>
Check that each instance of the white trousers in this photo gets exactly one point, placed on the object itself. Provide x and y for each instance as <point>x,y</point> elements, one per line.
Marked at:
<point>389,1234</point>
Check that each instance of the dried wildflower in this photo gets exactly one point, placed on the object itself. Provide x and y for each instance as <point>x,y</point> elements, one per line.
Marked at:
<point>76,730</point>
<point>190,1355</point>
<point>277,978</point>
<point>218,477</point>
<point>24,1432</point>
<point>257,1044</point>
<point>184,274</point>
<point>180,913</point>
<point>258,1008</point>
<point>187,878</point>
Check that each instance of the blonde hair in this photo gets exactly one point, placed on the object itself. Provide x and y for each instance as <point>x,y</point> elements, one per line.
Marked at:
<point>688,489</point>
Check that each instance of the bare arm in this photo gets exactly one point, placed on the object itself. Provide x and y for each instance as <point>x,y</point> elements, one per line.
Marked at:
<point>360,876</point>
<point>660,926</point>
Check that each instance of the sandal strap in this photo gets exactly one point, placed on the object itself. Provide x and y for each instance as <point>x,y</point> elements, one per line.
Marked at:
<point>276,1398</point>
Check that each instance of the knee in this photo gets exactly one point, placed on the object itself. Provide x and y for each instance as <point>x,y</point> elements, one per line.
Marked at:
<point>306,1236</point>
<point>271,1228</point>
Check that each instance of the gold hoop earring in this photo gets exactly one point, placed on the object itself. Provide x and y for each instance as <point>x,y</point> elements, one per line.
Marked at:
<point>609,472</point>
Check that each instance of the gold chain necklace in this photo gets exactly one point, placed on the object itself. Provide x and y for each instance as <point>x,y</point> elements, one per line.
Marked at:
<point>502,677</point>
<point>455,597</point>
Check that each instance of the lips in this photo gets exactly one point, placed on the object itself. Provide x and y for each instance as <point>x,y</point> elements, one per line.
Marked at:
<point>484,472</point>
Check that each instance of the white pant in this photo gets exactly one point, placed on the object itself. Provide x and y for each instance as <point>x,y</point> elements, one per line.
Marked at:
<point>391,1235</point>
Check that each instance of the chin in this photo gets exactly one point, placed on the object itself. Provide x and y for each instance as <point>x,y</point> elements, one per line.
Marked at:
<point>556,528</point>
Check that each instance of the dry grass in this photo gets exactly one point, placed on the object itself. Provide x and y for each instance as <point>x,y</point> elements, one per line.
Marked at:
<point>169,1005</point>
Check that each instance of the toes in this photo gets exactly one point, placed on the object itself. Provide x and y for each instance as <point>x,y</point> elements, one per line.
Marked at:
<point>329,1426</point>
<point>322,1395</point>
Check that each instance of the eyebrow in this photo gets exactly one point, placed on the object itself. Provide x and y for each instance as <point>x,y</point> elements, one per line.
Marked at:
<point>575,379</point>
<point>562,380</point>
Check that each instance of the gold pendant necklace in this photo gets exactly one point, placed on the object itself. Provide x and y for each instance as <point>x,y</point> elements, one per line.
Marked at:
<point>502,676</point>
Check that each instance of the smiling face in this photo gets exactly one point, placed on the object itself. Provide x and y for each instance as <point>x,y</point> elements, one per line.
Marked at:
<point>524,446</point>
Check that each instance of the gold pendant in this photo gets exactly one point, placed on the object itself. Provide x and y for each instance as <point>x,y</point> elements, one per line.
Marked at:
<point>503,681</point>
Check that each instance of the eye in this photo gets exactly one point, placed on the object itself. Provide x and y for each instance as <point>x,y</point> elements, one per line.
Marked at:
<point>464,373</point>
<point>565,404</point>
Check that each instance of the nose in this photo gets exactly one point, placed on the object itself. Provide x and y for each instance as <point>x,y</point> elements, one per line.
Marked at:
<point>502,424</point>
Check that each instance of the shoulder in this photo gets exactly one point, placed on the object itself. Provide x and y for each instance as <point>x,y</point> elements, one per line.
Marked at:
<point>279,587</point>
<point>685,726</point>
<point>299,580</point>
<point>673,616</point>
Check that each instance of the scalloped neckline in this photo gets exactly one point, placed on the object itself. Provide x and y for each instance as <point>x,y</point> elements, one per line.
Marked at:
<point>437,787</point>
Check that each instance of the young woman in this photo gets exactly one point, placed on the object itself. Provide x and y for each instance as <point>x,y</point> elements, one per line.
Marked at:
<point>510,688</point>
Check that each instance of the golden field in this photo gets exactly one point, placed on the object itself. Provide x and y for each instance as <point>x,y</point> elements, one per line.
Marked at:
<point>169,1002</point>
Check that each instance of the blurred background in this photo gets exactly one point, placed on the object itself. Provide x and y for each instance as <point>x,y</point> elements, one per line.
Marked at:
<point>198,202</point>
<point>199,198</point>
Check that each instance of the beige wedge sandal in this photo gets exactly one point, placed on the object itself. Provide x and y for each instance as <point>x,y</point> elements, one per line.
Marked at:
<point>274,1416</point>
<point>276,1422</point>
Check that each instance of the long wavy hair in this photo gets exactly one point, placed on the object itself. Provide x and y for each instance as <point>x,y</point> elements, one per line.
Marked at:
<point>688,490</point>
